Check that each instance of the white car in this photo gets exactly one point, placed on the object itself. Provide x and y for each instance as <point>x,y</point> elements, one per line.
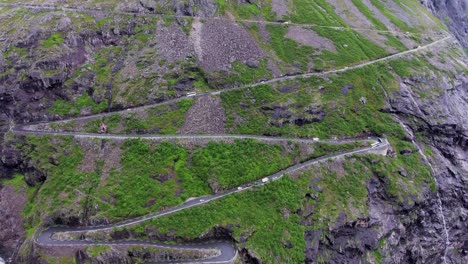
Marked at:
<point>202,200</point>
<point>191,94</point>
<point>239,188</point>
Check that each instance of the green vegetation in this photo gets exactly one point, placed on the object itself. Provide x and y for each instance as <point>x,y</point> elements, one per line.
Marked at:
<point>288,50</point>
<point>13,50</point>
<point>418,173</point>
<point>268,214</point>
<point>167,174</point>
<point>190,70</point>
<point>59,159</point>
<point>317,12</point>
<point>17,182</point>
<point>377,256</point>
<point>241,74</point>
<point>343,115</point>
<point>64,126</point>
<point>246,10</point>
<point>258,213</point>
<point>149,176</point>
<point>407,67</point>
<point>393,18</point>
<point>422,14</point>
<point>364,9</point>
<point>94,251</point>
<point>351,46</point>
<point>20,186</point>
<point>111,122</point>
<point>68,108</point>
<point>53,40</point>
<point>144,32</point>
<point>150,179</point>
<point>61,260</point>
<point>325,149</point>
<point>226,166</point>
<point>104,60</point>
<point>164,119</point>
<point>395,42</point>
<point>391,40</point>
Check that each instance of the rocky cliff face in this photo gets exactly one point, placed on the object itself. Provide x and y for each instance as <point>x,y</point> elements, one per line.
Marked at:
<point>442,125</point>
<point>454,13</point>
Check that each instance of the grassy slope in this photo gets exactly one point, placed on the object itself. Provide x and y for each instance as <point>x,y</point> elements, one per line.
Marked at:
<point>268,216</point>
<point>345,115</point>
<point>151,176</point>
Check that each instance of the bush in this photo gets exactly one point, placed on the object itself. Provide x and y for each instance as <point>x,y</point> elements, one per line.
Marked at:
<point>53,40</point>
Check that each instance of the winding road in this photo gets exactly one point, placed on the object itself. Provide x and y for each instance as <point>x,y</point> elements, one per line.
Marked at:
<point>253,85</point>
<point>227,251</point>
<point>49,7</point>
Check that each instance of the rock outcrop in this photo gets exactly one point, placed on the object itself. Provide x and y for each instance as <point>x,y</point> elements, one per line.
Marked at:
<point>200,8</point>
<point>443,123</point>
<point>454,13</point>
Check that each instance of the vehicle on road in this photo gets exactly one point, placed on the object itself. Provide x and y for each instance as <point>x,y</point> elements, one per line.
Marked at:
<point>265,179</point>
<point>202,200</point>
<point>239,188</point>
<point>191,94</point>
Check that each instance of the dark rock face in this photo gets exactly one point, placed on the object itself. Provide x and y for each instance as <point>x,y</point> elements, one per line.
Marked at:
<point>247,257</point>
<point>413,232</point>
<point>455,14</point>
<point>201,8</point>
<point>443,121</point>
<point>219,232</point>
<point>10,157</point>
<point>12,231</point>
<point>346,88</point>
<point>10,160</point>
<point>281,115</point>
<point>32,175</point>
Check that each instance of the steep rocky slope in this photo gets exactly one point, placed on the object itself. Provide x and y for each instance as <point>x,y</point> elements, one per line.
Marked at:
<point>62,59</point>
<point>455,14</point>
